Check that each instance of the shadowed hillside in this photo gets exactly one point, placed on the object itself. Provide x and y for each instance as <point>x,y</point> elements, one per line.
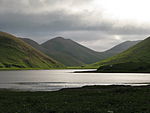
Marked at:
<point>70,53</point>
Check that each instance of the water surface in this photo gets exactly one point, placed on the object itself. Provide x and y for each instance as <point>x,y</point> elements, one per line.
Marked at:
<point>49,80</point>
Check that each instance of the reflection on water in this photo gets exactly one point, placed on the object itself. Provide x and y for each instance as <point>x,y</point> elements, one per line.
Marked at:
<point>48,80</point>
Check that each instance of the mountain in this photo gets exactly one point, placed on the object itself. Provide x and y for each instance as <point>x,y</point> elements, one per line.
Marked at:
<point>34,44</point>
<point>114,51</point>
<point>135,59</point>
<point>119,48</point>
<point>15,53</point>
<point>55,55</point>
<point>70,52</point>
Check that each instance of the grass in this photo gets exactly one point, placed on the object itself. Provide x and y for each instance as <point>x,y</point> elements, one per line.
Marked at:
<point>89,99</point>
<point>63,67</point>
<point>15,53</point>
<point>15,68</point>
<point>136,58</point>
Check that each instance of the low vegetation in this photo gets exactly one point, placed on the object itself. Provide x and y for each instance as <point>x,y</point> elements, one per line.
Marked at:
<point>89,99</point>
<point>135,59</point>
<point>15,53</point>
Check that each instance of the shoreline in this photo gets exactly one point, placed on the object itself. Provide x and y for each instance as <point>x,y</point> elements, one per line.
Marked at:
<point>108,72</point>
<point>34,69</point>
<point>69,69</point>
<point>80,87</point>
<point>28,69</point>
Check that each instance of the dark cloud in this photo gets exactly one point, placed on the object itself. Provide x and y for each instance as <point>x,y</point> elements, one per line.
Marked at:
<point>45,19</point>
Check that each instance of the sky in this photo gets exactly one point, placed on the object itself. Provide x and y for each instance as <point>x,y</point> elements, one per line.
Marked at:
<point>97,24</point>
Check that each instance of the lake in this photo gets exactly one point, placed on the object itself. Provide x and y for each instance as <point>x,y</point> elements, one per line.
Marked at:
<point>50,80</point>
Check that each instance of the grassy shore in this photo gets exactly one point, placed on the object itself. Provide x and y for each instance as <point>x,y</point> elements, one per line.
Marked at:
<point>92,99</point>
<point>16,69</point>
<point>11,69</point>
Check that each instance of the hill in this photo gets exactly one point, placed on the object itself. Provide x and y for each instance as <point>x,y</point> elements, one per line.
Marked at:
<point>15,53</point>
<point>70,52</point>
<point>114,51</point>
<point>34,44</point>
<point>71,61</point>
<point>135,59</point>
<point>59,50</point>
<point>119,48</point>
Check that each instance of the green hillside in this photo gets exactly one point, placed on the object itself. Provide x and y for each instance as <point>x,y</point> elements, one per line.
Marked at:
<point>61,57</point>
<point>70,53</point>
<point>15,53</point>
<point>34,44</point>
<point>119,48</point>
<point>135,59</point>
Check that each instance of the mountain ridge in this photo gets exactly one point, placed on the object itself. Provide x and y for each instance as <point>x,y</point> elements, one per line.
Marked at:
<point>58,54</point>
<point>72,49</point>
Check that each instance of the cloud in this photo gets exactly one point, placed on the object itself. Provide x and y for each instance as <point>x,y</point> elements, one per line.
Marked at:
<point>76,19</point>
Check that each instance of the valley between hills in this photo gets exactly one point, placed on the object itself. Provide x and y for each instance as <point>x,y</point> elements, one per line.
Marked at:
<point>24,53</point>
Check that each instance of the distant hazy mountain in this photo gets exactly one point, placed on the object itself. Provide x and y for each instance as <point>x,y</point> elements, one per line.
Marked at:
<point>70,53</point>
<point>15,53</point>
<point>135,59</point>
<point>119,48</point>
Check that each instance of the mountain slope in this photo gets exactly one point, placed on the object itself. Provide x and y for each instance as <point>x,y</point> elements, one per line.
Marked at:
<point>119,48</point>
<point>70,53</point>
<point>16,53</point>
<point>34,44</point>
<point>135,59</point>
<point>59,50</point>
<point>56,55</point>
